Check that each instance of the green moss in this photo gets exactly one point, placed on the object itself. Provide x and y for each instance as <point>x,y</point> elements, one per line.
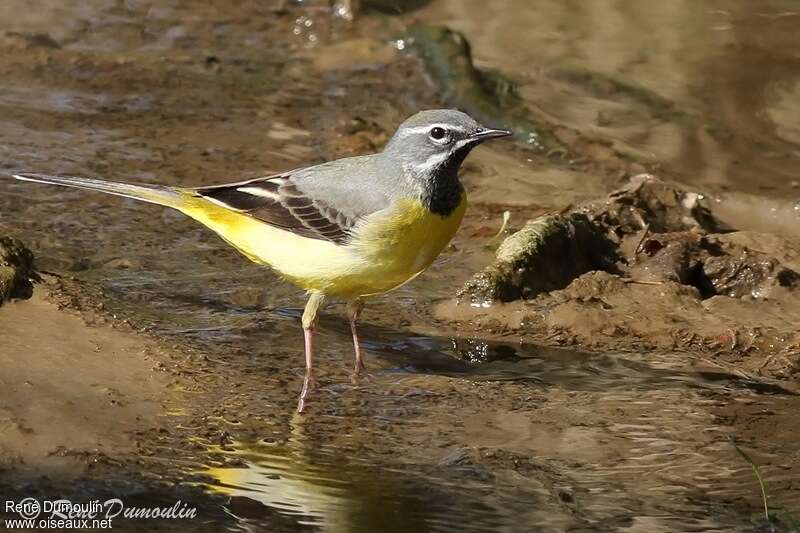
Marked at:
<point>545,255</point>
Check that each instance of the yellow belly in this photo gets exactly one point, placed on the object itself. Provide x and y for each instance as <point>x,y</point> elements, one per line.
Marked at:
<point>389,248</point>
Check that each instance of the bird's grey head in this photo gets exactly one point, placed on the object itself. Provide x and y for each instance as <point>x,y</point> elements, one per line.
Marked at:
<point>430,146</point>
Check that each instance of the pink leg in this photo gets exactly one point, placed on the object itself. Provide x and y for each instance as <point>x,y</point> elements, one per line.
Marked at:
<point>309,381</point>
<point>309,326</point>
<point>353,310</point>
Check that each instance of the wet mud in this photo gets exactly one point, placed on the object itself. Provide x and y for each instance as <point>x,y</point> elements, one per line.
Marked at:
<point>648,267</point>
<point>16,270</point>
<point>152,363</point>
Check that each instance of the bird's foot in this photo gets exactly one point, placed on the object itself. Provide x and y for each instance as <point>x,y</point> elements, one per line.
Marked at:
<point>360,374</point>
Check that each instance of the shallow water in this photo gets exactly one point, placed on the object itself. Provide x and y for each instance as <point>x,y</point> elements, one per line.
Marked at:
<point>609,442</point>
<point>452,433</point>
<point>727,66</point>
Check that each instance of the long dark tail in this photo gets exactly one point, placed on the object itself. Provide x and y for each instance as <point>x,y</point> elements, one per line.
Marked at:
<point>155,194</point>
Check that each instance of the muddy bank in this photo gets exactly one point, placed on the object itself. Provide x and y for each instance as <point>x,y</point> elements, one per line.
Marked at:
<point>70,392</point>
<point>86,411</point>
<point>649,267</point>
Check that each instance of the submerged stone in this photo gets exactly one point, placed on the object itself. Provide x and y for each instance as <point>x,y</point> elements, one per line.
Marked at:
<point>487,96</point>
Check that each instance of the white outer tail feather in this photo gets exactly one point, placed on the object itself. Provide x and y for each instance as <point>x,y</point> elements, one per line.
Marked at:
<point>154,194</point>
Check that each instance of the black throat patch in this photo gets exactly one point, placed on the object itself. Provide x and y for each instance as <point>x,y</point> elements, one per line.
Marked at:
<point>443,190</point>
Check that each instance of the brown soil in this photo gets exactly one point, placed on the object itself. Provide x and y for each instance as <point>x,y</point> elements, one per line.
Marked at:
<point>73,395</point>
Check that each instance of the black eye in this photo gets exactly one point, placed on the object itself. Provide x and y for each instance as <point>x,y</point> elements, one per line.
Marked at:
<point>437,133</point>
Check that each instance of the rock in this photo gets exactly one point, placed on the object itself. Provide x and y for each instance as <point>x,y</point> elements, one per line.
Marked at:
<point>16,270</point>
<point>668,257</point>
<point>647,200</point>
<point>545,255</point>
<point>650,231</point>
<point>747,274</point>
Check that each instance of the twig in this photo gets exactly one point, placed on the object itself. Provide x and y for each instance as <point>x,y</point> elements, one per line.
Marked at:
<point>506,218</point>
<point>641,240</point>
<point>754,466</point>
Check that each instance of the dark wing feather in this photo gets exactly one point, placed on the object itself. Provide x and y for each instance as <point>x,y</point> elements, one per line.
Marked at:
<point>278,201</point>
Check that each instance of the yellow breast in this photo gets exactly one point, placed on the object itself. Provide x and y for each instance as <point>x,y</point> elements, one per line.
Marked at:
<point>388,249</point>
<point>401,243</point>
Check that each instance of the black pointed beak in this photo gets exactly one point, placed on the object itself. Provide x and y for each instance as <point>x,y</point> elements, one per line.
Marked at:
<point>489,133</point>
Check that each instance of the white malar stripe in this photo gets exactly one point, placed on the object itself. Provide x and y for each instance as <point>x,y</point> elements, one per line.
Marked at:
<point>258,191</point>
<point>433,161</point>
<point>462,143</point>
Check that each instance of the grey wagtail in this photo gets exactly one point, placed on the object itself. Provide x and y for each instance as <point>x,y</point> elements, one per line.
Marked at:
<point>350,228</point>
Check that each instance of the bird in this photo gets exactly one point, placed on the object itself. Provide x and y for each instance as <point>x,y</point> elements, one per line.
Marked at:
<point>349,229</point>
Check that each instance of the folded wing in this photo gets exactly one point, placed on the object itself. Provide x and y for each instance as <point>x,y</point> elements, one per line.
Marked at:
<point>278,201</point>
